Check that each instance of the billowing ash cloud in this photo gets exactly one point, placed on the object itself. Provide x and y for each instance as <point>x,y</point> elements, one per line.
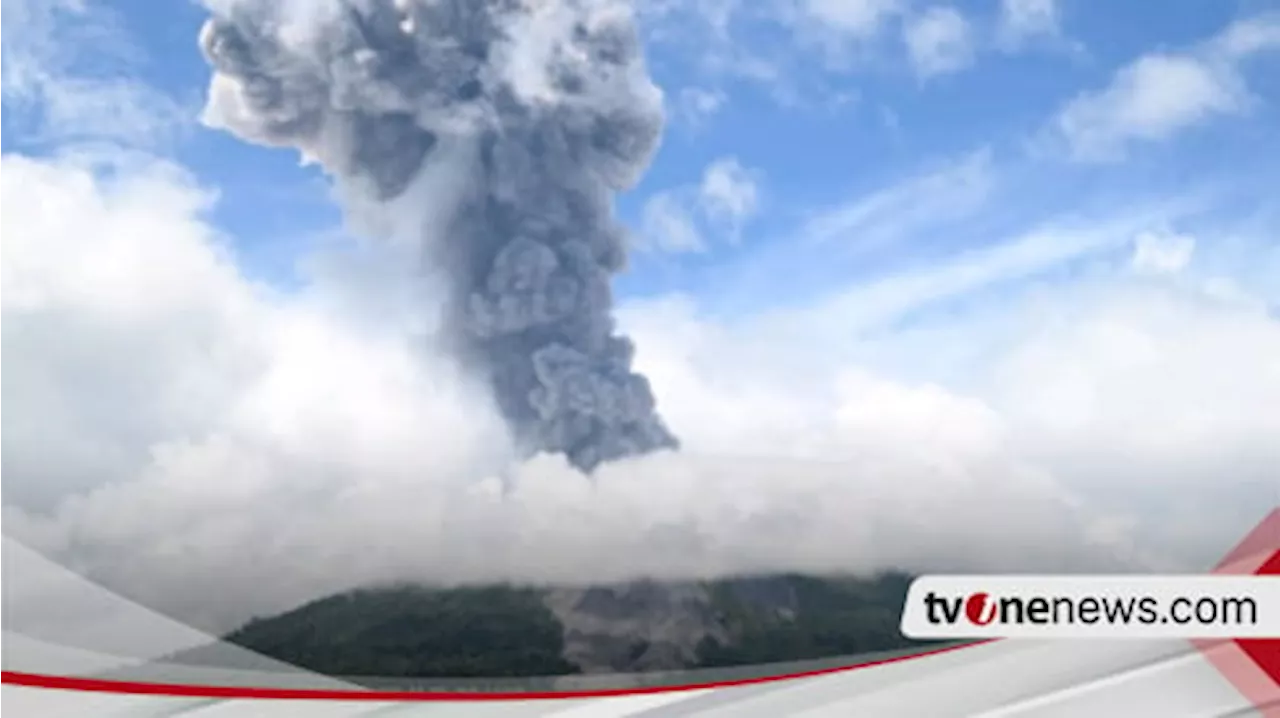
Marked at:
<point>555,113</point>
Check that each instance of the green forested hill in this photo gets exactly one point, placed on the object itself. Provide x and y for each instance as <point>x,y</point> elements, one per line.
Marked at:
<point>504,631</point>
<point>831,617</point>
<point>414,631</point>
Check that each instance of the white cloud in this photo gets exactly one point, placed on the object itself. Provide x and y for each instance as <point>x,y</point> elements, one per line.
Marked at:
<point>336,451</point>
<point>825,42</point>
<point>907,208</point>
<point>821,40</point>
<point>680,219</point>
<point>667,224</point>
<point>1162,253</point>
<point>729,194</point>
<point>1248,37</point>
<point>1162,94</point>
<point>158,322</point>
<point>939,41</point>
<point>49,87</point>
<point>1024,20</point>
<point>875,303</point>
<point>859,18</point>
<point>696,105</point>
<point>1152,99</point>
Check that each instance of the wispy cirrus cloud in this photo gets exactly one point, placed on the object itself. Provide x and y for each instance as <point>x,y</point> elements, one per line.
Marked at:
<point>1024,21</point>
<point>939,41</point>
<point>695,106</point>
<point>70,75</point>
<point>686,219</point>
<point>915,205</point>
<point>799,50</point>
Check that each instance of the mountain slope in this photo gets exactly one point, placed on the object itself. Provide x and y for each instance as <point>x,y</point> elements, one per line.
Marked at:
<point>416,631</point>
<point>505,631</point>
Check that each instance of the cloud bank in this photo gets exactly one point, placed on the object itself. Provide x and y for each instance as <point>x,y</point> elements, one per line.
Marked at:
<point>276,447</point>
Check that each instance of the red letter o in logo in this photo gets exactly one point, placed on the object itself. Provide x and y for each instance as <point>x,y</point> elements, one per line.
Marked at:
<point>979,610</point>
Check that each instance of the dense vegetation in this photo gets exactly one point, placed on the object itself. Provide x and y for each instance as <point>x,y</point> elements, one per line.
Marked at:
<point>501,631</point>
<point>493,631</point>
<point>832,617</point>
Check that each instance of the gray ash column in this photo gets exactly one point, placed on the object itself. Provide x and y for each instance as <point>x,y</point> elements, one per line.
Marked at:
<point>370,88</point>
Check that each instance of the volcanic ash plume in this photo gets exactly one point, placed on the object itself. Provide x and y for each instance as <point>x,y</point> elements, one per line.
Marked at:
<point>553,102</point>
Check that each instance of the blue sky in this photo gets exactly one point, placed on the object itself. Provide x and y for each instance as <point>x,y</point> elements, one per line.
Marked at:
<point>816,131</point>
<point>817,156</point>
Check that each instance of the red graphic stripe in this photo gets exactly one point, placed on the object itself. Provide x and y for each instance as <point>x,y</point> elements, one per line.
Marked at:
<point>1252,665</point>
<point>69,683</point>
<point>1266,651</point>
<point>1261,541</point>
